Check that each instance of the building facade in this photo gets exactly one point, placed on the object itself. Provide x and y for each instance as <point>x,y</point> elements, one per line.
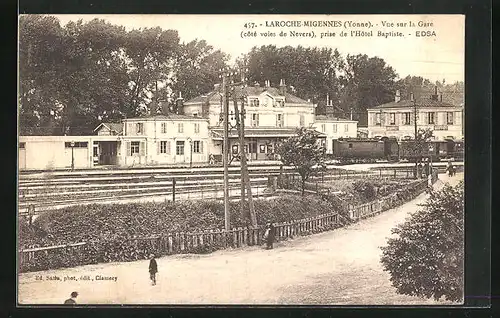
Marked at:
<point>271,115</point>
<point>335,128</point>
<point>190,135</point>
<point>398,118</point>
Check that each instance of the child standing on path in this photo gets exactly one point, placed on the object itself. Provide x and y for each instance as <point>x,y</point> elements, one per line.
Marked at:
<point>153,269</point>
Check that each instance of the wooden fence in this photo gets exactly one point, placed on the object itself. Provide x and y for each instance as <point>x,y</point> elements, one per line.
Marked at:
<point>177,243</point>
<point>377,206</point>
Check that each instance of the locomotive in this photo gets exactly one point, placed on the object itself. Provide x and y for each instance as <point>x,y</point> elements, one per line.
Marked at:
<point>373,149</point>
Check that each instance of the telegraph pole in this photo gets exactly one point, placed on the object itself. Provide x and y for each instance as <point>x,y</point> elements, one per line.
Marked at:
<point>225,151</point>
<point>416,132</point>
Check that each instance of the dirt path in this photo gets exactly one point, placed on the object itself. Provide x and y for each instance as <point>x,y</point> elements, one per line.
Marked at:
<point>338,267</point>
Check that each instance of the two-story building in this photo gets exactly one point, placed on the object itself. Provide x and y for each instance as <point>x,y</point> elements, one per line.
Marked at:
<point>334,128</point>
<point>271,115</point>
<point>163,139</point>
<point>398,118</point>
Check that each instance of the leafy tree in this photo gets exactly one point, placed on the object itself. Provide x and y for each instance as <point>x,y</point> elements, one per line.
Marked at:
<point>367,82</point>
<point>311,71</point>
<point>304,152</point>
<point>426,258</point>
<point>150,54</point>
<point>95,78</point>
<point>197,68</point>
<point>41,52</point>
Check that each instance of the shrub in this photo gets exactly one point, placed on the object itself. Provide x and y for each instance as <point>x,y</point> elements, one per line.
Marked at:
<point>426,258</point>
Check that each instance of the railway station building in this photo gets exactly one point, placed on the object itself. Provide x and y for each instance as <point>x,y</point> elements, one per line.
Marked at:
<point>189,134</point>
<point>397,118</point>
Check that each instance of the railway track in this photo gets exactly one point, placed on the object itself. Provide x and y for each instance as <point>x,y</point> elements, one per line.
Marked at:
<point>51,190</point>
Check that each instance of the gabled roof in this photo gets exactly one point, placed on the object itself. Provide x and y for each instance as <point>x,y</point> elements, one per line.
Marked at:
<point>410,104</point>
<point>215,96</point>
<point>330,118</point>
<point>169,116</point>
<point>117,127</point>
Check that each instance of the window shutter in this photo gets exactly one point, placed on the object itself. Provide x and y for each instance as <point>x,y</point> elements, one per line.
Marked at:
<point>129,150</point>
<point>158,144</point>
<point>168,147</point>
<point>141,148</point>
<point>201,146</point>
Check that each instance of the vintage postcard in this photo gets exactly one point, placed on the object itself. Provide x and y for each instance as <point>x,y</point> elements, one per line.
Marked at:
<point>241,159</point>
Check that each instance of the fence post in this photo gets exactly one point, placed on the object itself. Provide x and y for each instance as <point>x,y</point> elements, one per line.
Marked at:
<point>173,189</point>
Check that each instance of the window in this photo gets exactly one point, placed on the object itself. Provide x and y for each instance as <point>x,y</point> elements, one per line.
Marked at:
<point>392,117</point>
<point>197,146</point>
<point>280,103</point>
<point>279,120</point>
<point>180,127</point>
<point>196,128</point>
<point>82,144</point>
<point>22,145</point>
<point>449,118</point>
<point>350,146</point>
<point>334,128</point>
<point>406,118</point>
<point>346,127</point>
<point>301,120</point>
<point>195,114</point>
<point>163,128</point>
<point>255,120</point>
<point>430,118</point>
<point>165,147</point>
<point>262,148</point>
<point>139,128</point>
<point>179,148</point>
<point>134,147</point>
<point>95,151</point>
<point>254,102</point>
<point>377,119</point>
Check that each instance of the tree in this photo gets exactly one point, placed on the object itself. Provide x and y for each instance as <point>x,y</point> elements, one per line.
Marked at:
<point>41,51</point>
<point>311,71</point>
<point>426,258</point>
<point>197,68</point>
<point>367,82</point>
<point>304,152</point>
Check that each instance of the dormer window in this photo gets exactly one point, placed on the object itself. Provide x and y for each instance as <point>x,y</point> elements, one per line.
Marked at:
<point>254,102</point>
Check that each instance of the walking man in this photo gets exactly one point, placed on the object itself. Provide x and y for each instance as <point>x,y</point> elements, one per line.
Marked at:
<point>153,269</point>
<point>72,300</point>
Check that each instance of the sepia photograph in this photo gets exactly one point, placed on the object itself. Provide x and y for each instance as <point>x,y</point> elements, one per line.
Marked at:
<point>241,160</point>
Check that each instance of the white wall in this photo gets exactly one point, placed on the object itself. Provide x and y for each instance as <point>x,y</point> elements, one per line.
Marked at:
<point>49,152</point>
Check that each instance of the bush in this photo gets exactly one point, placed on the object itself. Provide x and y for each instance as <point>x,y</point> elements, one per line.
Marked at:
<point>110,222</point>
<point>366,189</point>
<point>426,258</point>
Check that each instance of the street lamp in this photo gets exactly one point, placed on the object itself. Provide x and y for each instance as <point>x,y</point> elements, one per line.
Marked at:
<point>72,155</point>
<point>191,152</point>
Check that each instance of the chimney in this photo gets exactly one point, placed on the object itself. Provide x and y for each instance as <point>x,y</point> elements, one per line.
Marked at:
<point>327,99</point>
<point>179,102</point>
<point>435,96</point>
<point>411,97</point>
<point>282,87</point>
<point>397,98</point>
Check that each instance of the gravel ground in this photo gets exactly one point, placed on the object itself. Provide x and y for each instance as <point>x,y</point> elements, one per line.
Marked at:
<point>340,267</point>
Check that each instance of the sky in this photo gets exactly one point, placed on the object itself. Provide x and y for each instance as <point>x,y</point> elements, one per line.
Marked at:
<point>434,57</point>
